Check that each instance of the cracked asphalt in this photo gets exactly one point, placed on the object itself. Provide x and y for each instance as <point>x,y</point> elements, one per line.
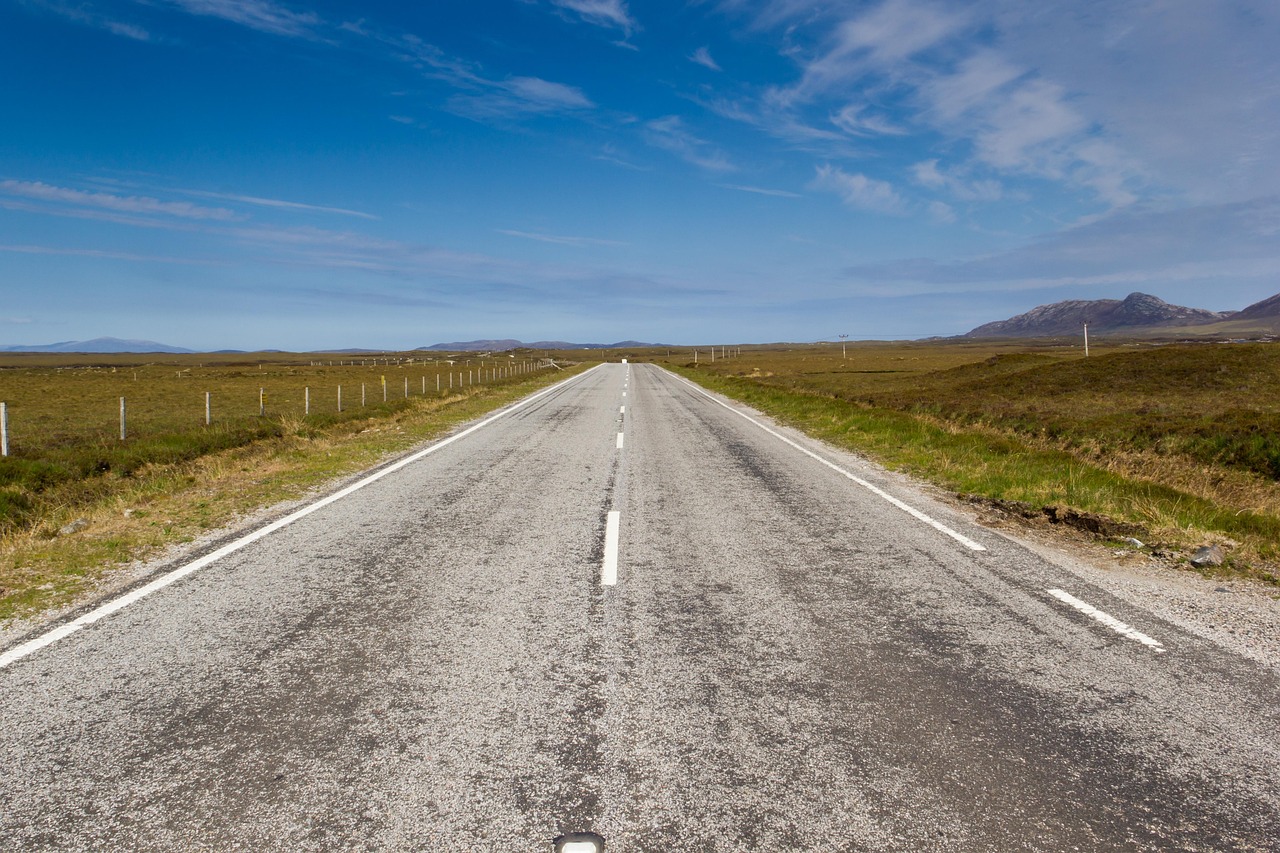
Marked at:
<point>786,662</point>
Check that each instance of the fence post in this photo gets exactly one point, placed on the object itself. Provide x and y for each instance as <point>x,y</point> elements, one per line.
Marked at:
<point>208,409</point>
<point>339,398</point>
<point>4,429</point>
<point>406,387</point>
<point>122,429</point>
<point>306,400</point>
<point>262,402</point>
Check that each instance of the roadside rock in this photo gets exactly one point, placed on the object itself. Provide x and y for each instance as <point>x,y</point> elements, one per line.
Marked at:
<point>74,527</point>
<point>1208,556</point>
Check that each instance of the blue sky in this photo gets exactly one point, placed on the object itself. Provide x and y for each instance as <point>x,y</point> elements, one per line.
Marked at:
<point>214,173</point>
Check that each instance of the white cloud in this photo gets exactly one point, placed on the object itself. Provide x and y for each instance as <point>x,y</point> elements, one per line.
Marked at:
<point>125,204</point>
<point>876,41</point>
<point>940,211</point>
<point>854,119</point>
<point>857,190</point>
<point>702,56</point>
<point>669,134</point>
<point>927,174</point>
<point>602,13</point>
<point>261,15</point>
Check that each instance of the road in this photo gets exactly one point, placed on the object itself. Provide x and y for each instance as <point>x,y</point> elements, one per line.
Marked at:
<point>771,646</point>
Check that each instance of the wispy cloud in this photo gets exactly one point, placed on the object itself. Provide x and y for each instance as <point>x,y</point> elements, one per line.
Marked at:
<point>1208,242</point>
<point>144,205</point>
<point>610,154</point>
<point>505,100</point>
<point>858,190</point>
<point>702,56</point>
<point>602,13</point>
<point>762,191</point>
<point>926,173</point>
<point>559,239</point>
<point>87,16</point>
<point>858,120</point>
<point>279,204</point>
<point>669,134</point>
<point>261,15</point>
<point>104,254</point>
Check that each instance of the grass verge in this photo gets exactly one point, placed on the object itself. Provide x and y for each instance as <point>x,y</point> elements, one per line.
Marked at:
<point>134,516</point>
<point>1010,470</point>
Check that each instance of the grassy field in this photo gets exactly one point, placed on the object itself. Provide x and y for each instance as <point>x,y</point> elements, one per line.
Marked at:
<point>174,477</point>
<point>1177,444</point>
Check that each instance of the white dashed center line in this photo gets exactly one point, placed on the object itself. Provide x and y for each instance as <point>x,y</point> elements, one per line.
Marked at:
<point>619,441</point>
<point>609,567</point>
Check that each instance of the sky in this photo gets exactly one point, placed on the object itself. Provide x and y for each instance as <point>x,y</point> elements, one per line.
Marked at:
<point>265,174</point>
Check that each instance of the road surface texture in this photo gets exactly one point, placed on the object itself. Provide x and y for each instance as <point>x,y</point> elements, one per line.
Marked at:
<point>761,650</point>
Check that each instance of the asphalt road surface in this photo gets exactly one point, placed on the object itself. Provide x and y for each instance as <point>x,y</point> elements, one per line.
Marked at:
<point>770,646</point>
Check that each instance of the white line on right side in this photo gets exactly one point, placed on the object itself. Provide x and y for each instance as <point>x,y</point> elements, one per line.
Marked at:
<point>881,493</point>
<point>1107,619</point>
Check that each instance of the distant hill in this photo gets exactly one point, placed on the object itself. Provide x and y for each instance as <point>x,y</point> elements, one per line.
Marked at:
<point>509,344</point>
<point>97,345</point>
<point>1136,311</point>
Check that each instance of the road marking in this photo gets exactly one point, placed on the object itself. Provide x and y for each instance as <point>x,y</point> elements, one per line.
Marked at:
<point>609,567</point>
<point>619,441</point>
<point>622,410</point>
<point>52,636</point>
<point>907,508</point>
<point>624,393</point>
<point>1107,619</point>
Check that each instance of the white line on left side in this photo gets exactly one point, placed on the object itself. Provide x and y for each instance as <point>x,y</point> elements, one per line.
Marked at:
<point>609,567</point>
<point>50,637</point>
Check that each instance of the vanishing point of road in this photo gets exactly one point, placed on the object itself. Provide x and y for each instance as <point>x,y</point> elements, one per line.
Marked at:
<point>628,606</point>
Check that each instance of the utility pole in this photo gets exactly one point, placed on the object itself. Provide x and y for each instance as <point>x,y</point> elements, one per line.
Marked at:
<point>843,340</point>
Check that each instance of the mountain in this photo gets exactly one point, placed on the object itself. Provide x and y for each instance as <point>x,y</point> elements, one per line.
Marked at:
<point>98,345</point>
<point>1135,311</point>
<point>509,344</point>
<point>1269,307</point>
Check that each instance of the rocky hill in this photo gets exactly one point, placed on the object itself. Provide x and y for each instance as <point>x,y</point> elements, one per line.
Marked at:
<point>1135,311</point>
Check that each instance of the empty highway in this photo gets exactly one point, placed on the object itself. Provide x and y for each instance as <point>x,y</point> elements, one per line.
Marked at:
<point>629,606</point>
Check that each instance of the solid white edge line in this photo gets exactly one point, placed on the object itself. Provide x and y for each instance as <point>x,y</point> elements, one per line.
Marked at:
<point>907,508</point>
<point>1107,619</point>
<point>619,441</point>
<point>609,566</point>
<point>53,635</point>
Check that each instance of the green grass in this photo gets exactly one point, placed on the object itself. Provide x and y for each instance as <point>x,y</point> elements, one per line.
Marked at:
<point>1180,442</point>
<point>159,490</point>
